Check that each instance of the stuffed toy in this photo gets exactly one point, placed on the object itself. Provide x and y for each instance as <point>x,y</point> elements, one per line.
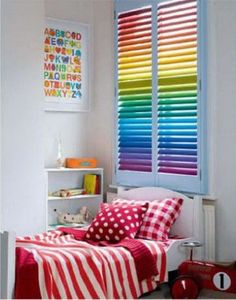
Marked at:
<point>67,218</point>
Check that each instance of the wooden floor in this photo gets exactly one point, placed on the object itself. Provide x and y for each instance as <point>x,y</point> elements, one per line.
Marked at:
<point>164,293</point>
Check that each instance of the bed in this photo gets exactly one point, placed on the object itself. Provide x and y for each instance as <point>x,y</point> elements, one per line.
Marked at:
<point>187,227</point>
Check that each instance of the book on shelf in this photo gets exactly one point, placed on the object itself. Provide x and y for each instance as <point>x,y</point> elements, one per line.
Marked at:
<point>91,184</point>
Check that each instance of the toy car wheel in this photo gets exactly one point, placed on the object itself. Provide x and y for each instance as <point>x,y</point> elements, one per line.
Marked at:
<point>184,287</point>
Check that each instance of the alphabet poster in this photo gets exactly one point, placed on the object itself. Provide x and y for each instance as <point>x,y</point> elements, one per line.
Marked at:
<point>65,65</point>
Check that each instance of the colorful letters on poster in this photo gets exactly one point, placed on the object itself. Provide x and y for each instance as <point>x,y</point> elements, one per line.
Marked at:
<point>62,64</point>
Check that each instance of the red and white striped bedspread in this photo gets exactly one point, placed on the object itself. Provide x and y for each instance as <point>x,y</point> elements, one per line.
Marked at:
<point>68,268</point>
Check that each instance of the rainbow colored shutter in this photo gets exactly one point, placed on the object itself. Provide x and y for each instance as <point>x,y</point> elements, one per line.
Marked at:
<point>135,90</point>
<point>177,87</point>
<point>161,107</point>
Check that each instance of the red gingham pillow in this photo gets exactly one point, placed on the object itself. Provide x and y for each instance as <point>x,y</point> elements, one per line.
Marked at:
<point>114,223</point>
<point>158,219</point>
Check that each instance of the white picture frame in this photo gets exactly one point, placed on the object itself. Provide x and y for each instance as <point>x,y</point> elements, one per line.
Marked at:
<point>66,66</point>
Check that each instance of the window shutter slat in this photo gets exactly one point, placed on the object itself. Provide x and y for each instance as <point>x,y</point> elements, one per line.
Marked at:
<point>177,88</point>
<point>135,91</point>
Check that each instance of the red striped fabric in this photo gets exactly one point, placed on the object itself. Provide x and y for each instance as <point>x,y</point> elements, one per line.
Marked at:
<point>69,269</point>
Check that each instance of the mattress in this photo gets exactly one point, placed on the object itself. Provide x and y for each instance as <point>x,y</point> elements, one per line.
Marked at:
<point>102,272</point>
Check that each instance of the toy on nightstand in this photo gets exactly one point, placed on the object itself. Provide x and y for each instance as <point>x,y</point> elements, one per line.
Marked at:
<point>196,275</point>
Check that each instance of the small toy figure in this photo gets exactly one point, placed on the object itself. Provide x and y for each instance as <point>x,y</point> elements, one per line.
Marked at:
<point>81,218</point>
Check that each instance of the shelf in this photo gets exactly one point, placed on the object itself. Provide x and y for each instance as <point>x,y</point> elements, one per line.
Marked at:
<point>57,179</point>
<point>73,169</point>
<point>56,226</point>
<point>51,198</point>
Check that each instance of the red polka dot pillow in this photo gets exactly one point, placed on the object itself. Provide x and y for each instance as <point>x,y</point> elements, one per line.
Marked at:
<point>114,223</point>
<point>158,219</point>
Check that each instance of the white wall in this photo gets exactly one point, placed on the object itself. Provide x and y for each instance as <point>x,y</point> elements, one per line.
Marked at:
<point>222,107</point>
<point>22,116</point>
<point>72,127</point>
<point>101,118</point>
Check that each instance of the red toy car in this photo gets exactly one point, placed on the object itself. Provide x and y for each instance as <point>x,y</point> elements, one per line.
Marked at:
<point>195,275</point>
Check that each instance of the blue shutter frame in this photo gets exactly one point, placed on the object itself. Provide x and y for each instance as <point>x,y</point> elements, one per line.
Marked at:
<point>184,183</point>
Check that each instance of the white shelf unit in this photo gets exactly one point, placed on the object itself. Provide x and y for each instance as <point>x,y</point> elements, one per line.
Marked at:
<point>66,178</point>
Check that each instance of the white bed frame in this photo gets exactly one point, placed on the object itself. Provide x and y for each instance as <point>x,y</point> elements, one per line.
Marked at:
<point>189,225</point>
<point>7,265</point>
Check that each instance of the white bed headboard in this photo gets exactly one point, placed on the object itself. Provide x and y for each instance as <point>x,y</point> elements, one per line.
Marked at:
<point>190,220</point>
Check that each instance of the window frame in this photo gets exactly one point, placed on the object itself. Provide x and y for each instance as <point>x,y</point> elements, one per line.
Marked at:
<point>184,183</point>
